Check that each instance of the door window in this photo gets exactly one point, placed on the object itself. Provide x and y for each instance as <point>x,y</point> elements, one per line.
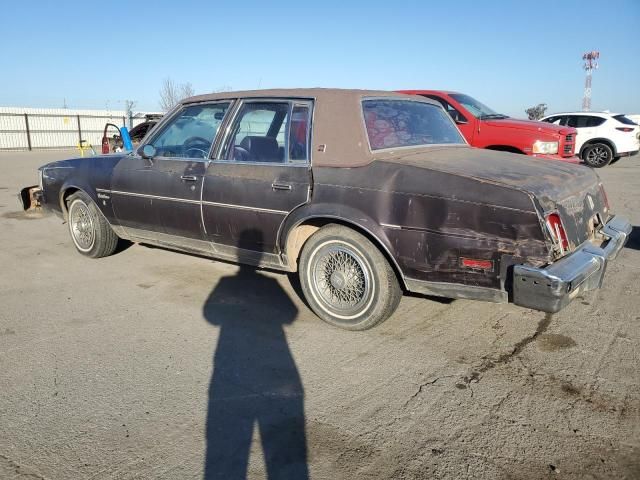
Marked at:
<point>269,132</point>
<point>190,133</point>
<point>584,121</point>
<point>299,134</point>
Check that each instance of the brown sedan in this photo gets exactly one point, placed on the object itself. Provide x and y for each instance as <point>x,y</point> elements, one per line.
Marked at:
<point>363,193</point>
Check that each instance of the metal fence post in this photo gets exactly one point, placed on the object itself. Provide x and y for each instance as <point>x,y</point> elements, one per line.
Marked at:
<point>26,124</point>
<point>79,131</point>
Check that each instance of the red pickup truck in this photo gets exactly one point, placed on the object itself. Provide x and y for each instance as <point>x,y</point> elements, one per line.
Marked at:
<point>484,128</point>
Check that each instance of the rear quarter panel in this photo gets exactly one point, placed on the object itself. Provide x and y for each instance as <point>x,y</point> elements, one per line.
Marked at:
<point>429,220</point>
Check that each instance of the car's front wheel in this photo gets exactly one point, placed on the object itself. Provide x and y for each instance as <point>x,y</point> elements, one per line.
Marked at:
<point>91,233</point>
<point>346,280</point>
<point>597,155</point>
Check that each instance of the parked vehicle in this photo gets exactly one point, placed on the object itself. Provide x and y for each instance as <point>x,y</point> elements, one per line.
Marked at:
<point>484,128</point>
<point>363,193</point>
<point>603,137</point>
<point>112,136</point>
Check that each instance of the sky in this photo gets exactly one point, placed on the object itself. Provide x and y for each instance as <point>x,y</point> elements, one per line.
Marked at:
<point>510,55</point>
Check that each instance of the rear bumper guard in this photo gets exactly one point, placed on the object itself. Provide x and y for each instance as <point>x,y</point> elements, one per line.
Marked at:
<point>551,288</point>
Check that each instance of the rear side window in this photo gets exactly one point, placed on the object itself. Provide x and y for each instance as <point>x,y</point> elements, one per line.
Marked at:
<point>394,123</point>
<point>625,120</point>
<point>585,121</point>
<point>270,132</point>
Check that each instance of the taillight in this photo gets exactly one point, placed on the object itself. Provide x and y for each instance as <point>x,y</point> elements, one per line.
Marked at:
<point>554,224</point>
<point>625,129</point>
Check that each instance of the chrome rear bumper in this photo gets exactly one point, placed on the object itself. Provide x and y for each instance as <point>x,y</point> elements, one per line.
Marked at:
<point>551,288</point>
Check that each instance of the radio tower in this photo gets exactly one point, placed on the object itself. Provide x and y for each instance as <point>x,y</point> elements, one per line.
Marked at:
<point>590,64</point>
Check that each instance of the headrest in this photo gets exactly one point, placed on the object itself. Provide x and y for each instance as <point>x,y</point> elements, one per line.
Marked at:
<point>261,149</point>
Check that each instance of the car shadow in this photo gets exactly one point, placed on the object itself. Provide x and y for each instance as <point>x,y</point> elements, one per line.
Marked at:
<point>634,239</point>
<point>255,381</point>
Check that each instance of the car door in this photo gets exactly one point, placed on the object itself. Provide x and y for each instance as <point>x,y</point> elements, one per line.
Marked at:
<point>585,127</point>
<point>261,173</point>
<point>159,197</point>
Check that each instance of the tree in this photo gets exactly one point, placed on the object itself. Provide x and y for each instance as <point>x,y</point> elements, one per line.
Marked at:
<point>129,106</point>
<point>537,112</point>
<point>171,93</point>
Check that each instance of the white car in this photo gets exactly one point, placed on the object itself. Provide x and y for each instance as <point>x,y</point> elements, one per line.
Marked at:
<point>603,137</point>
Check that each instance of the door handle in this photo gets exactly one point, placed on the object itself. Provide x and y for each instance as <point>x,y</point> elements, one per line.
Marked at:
<point>189,178</point>
<point>281,186</point>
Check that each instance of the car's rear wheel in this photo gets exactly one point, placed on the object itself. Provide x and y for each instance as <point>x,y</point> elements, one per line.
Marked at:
<point>91,233</point>
<point>597,155</point>
<point>346,280</point>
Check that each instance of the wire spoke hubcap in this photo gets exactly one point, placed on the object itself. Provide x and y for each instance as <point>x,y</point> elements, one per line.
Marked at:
<point>341,279</point>
<point>82,226</point>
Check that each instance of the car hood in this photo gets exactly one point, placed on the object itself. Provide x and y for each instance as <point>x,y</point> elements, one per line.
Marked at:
<point>529,125</point>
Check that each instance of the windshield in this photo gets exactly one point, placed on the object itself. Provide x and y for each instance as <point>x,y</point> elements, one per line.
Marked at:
<point>405,123</point>
<point>477,109</point>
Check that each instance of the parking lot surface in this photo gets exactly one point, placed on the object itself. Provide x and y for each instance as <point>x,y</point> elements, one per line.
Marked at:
<point>157,364</point>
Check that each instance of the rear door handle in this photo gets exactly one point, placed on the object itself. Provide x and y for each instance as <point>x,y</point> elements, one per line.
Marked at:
<point>189,178</point>
<point>281,186</point>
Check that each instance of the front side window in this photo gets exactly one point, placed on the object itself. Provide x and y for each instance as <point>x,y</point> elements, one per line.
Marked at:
<point>394,123</point>
<point>269,132</point>
<point>191,133</point>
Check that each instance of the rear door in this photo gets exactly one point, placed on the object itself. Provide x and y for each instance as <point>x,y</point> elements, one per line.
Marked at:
<point>586,127</point>
<point>261,172</point>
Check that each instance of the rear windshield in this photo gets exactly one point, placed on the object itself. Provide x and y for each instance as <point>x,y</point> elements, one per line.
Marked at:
<point>404,123</point>
<point>625,120</point>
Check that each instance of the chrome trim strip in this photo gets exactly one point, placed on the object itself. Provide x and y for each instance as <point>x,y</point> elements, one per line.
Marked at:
<point>243,207</point>
<point>156,197</point>
<point>103,190</point>
<point>389,225</point>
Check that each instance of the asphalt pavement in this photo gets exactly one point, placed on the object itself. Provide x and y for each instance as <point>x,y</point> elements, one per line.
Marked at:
<point>156,364</point>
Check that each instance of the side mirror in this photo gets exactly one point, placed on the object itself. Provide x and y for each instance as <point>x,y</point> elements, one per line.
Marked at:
<point>461,122</point>
<point>148,152</point>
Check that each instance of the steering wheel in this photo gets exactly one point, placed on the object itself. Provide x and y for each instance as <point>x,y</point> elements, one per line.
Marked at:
<point>194,143</point>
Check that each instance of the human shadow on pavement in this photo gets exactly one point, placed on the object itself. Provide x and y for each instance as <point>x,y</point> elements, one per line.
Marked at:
<point>255,381</point>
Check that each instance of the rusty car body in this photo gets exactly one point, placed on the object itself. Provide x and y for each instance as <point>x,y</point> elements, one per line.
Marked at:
<point>365,194</point>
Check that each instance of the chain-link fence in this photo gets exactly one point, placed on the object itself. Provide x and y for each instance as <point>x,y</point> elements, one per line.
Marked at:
<point>32,131</point>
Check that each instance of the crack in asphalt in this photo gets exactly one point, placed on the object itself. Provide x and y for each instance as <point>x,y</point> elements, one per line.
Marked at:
<point>423,385</point>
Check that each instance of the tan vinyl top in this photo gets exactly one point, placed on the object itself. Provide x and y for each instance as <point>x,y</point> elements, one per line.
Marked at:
<point>339,138</point>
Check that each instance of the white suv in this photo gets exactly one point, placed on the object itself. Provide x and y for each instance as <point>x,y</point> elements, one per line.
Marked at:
<point>602,137</point>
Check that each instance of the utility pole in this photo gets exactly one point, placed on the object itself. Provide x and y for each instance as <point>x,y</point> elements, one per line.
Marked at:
<point>590,63</point>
